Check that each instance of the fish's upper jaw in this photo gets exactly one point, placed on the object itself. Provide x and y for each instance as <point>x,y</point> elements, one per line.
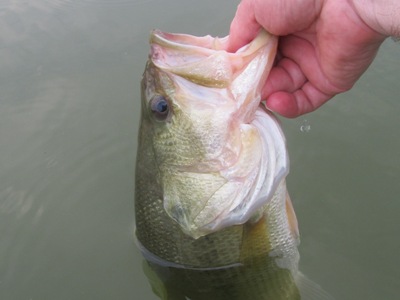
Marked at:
<point>199,60</point>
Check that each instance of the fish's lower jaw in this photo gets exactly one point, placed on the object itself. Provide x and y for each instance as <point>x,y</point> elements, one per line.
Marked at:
<point>196,231</point>
<point>187,226</point>
<point>192,231</point>
<point>194,234</point>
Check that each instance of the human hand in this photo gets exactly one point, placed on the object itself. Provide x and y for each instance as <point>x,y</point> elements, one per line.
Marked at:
<point>324,47</point>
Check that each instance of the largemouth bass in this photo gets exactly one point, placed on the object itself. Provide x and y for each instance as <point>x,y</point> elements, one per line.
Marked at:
<point>213,216</point>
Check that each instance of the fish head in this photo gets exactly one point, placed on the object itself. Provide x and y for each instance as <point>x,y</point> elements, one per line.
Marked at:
<point>219,155</point>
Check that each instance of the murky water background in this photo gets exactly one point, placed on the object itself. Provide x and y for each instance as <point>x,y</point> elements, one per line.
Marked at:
<point>69,114</point>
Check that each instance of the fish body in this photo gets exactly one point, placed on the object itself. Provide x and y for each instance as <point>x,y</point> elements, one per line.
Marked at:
<point>213,216</point>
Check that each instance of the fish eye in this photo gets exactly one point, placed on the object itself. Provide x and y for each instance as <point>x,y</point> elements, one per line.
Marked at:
<point>159,107</point>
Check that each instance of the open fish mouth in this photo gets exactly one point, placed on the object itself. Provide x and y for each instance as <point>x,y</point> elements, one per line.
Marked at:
<point>221,155</point>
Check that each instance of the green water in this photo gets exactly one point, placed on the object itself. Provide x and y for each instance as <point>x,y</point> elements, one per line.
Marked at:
<point>69,115</point>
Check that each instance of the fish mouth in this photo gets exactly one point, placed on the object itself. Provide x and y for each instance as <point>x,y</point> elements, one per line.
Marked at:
<point>205,60</point>
<point>233,194</point>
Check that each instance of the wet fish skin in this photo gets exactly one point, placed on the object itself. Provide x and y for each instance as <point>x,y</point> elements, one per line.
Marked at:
<point>210,193</point>
<point>206,153</point>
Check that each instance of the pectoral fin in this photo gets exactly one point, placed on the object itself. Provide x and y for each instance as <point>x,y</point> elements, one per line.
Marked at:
<point>309,290</point>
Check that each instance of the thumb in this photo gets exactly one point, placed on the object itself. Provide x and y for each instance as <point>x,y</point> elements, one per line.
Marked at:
<point>244,26</point>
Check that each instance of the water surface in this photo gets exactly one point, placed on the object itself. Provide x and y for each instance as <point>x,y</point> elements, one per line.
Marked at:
<point>69,115</point>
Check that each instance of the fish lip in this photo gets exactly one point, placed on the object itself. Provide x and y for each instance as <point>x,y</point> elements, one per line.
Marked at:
<point>207,44</point>
<point>180,41</point>
<point>205,60</point>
